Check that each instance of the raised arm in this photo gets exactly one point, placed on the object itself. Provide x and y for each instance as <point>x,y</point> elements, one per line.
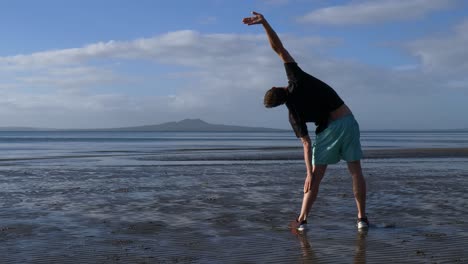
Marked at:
<point>273,38</point>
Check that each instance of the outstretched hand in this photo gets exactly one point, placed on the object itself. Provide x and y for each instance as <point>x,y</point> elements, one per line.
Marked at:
<point>257,18</point>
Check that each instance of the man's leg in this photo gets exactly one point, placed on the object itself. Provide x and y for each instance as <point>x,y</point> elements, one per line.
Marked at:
<point>311,195</point>
<point>359,187</point>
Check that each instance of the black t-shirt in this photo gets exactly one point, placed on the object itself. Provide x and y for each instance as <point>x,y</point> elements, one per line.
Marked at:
<point>309,100</point>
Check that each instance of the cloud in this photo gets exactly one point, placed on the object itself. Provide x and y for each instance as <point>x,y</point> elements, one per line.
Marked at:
<point>444,55</point>
<point>220,78</point>
<point>69,78</point>
<point>220,68</point>
<point>192,48</point>
<point>375,11</point>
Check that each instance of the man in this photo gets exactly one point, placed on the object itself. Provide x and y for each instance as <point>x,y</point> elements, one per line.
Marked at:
<point>337,134</point>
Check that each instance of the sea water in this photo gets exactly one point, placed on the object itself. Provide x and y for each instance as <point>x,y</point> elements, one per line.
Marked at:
<point>45,147</point>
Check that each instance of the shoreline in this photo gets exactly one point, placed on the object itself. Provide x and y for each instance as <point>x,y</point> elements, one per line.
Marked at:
<point>416,153</point>
<point>241,154</point>
<point>296,153</point>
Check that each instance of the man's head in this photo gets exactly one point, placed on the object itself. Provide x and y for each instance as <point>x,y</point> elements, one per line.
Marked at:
<point>275,96</point>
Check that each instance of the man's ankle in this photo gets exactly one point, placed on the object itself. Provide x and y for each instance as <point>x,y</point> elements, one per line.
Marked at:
<point>301,219</point>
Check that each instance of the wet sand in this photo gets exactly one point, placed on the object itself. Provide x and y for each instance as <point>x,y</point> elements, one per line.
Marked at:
<point>238,213</point>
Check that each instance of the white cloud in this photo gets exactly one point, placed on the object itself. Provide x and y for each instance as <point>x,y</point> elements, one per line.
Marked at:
<point>375,11</point>
<point>69,78</point>
<point>221,66</point>
<point>223,81</point>
<point>191,48</point>
<point>444,54</point>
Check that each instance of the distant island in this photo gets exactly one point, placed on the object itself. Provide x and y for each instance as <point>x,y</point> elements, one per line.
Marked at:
<point>186,125</point>
<point>192,125</point>
<point>6,129</point>
<point>198,125</point>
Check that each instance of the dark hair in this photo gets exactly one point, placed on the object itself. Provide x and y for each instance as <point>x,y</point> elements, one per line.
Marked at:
<point>274,97</point>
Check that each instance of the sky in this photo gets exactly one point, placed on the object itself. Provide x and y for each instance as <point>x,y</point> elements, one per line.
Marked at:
<point>398,64</point>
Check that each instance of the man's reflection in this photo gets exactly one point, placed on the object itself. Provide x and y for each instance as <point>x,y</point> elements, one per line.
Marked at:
<point>361,246</point>
<point>309,256</point>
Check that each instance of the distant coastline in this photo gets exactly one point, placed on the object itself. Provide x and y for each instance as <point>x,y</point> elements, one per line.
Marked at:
<point>186,125</point>
<point>198,125</point>
<point>24,129</point>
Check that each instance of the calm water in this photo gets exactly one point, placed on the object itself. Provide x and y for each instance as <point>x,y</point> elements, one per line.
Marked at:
<point>189,146</point>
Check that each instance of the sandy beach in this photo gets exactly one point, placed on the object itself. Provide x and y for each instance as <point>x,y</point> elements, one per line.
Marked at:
<point>233,213</point>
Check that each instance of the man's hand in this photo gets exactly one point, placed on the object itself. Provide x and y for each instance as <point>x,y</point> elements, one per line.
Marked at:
<point>307,183</point>
<point>256,19</point>
<point>273,38</point>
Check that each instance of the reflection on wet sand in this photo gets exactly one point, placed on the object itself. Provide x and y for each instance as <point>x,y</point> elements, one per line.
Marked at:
<point>361,247</point>
<point>309,255</point>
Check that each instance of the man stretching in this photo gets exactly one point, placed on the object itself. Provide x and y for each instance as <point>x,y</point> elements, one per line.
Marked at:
<point>337,134</point>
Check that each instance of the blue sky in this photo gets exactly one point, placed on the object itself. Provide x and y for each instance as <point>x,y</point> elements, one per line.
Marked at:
<point>399,64</point>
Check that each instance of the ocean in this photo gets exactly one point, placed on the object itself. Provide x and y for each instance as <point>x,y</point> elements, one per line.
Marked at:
<point>190,147</point>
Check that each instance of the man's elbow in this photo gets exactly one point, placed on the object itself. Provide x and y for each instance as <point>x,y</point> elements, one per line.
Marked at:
<point>285,56</point>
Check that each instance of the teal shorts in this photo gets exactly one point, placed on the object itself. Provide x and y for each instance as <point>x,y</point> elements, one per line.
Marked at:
<point>339,141</point>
